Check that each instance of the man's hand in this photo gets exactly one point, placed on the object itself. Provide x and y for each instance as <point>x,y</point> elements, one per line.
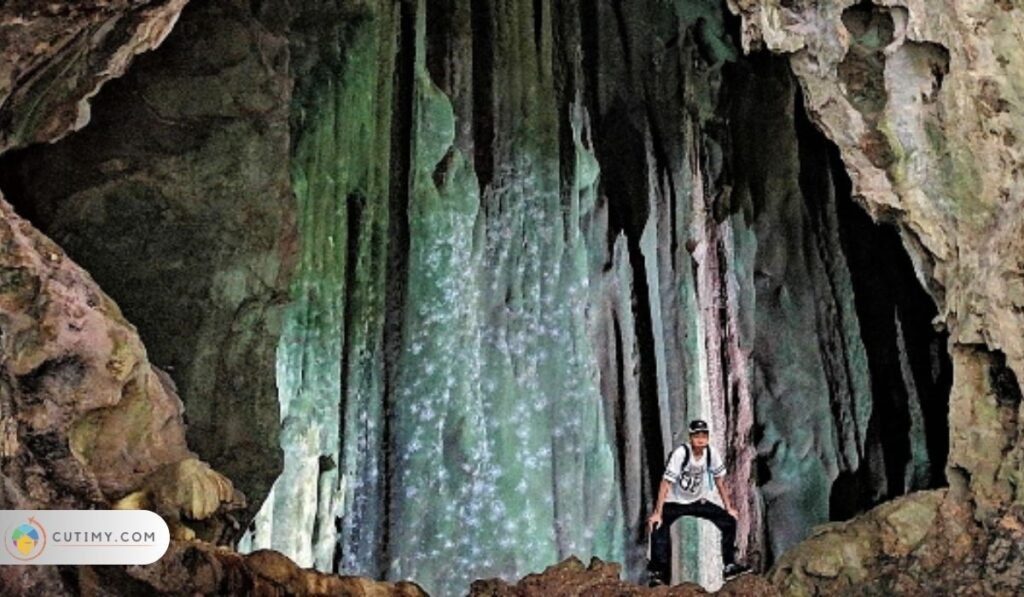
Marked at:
<point>732,512</point>
<point>654,521</point>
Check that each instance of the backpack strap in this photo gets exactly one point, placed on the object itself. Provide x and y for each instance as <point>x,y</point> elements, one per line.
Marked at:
<point>686,457</point>
<point>707,467</point>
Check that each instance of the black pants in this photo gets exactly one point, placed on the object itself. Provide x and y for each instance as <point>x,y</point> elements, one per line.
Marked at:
<point>661,540</point>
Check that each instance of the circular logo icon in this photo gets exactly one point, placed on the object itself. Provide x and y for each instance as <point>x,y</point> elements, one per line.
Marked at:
<point>26,541</point>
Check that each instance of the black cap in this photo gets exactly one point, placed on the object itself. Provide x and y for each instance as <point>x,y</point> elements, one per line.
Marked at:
<point>698,426</point>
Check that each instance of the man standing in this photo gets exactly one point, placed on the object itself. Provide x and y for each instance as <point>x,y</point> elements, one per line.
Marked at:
<point>685,489</point>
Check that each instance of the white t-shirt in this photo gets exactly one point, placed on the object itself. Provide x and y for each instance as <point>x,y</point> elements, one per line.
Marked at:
<point>691,484</point>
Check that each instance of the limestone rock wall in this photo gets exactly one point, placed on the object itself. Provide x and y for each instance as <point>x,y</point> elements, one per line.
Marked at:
<point>923,102</point>
<point>177,200</point>
<point>537,250</point>
<point>57,55</point>
<point>85,420</point>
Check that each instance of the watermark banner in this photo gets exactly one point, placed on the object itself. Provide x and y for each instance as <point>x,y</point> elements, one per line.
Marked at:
<point>37,537</point>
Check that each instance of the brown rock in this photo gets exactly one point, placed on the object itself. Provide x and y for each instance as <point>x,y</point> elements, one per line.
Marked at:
<point>925,543</point>
<point>88,406</point>
<point>86,419</point>
<point>55,56</point>
<point>572,578</point>
<point>197,568</point>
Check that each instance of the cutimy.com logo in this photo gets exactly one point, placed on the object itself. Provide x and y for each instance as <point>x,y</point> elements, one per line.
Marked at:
<point>82,537</point>
<point>26,540</point>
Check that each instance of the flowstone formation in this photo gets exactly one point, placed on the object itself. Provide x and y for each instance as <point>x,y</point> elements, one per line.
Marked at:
<point>505,250</point>
<point>410,301</point>
<point>530,256</point>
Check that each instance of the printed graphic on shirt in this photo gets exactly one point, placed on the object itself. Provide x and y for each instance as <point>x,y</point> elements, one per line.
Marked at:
<point>692,479</point>
<point>691,483</point>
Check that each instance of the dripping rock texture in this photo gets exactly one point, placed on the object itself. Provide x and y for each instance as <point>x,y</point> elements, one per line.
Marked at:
<point>923,101</point>
<point>441,283</point>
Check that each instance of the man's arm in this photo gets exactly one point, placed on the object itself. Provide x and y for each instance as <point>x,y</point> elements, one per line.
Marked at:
<point>655,520</point>
<point>720,484</point>
<point>672,471</point>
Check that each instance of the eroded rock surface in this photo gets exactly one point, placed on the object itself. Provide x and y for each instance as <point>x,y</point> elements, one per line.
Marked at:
<point>554,215</point>
<point>923,100</point>
<point>196,568</point>
<point>177,201</point>
<point>567,231</point>
<point>572,578</point>
<point>54,56</point>
<point>926,543</point>
<point>86,420</point>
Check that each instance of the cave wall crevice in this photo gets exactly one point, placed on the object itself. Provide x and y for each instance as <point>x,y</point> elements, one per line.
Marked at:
<point>937,154</point>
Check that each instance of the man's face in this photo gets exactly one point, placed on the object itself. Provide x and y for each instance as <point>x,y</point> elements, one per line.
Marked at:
<point>699,439</point>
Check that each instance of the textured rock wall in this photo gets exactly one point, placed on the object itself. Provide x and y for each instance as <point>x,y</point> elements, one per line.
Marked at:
<point>177,200</point>
<point>810,375</point>
<point>85,420</point>
<point>555,236</point>
<point>535,240</point>
<point>57,55</point>
<point>925,543</point>
<point>331,363</point>
<point>911,372</point>
<point>464,330</point>
<point>923,103</point>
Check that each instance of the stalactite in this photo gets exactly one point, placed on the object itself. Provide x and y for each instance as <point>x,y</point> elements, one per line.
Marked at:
<point>330,360</point>
<point>809,370</point>
<point>918,466</point>
<point>441,489</point>
<point>711,402</point>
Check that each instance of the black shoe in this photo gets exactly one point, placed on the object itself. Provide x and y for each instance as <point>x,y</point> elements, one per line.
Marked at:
<point>655,580</point>
<point>733,570</point>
